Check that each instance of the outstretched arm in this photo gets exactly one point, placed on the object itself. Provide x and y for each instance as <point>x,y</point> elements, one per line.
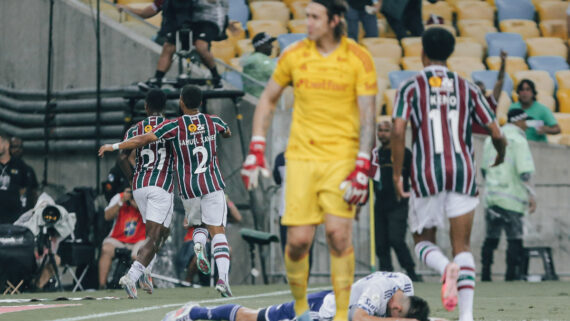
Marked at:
<point>133,143</point>
<point>145,13</point>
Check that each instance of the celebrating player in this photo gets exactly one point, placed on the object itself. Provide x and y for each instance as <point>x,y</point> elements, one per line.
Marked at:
<point>441,106</point>
<point>334,80</point>
<point>193,136</point>
<point>152,190</point>
<point>379,295</point>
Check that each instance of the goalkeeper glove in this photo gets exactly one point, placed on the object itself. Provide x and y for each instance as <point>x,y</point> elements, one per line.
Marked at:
<point>254,163</point>
<point>355,186</point>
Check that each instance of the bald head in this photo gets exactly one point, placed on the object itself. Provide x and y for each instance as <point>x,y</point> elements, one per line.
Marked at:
<point>384,133</point>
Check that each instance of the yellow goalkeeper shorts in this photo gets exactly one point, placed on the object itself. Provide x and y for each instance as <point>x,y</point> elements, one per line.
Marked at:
<point>312,190</point>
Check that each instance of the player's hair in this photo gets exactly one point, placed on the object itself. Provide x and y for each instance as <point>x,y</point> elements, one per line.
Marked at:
<point>339,8</point>
<point>530,83</point>
<point>419,309</point>
<point>155,100</point>
<point>191,96</point>
<point>438,43</point>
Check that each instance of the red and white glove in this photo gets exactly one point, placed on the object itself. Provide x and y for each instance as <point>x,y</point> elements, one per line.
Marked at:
<point>355,186</point>
<point>254,163</point>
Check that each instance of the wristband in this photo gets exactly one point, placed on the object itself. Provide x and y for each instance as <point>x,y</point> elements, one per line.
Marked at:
<point>115,146</point>
<point>258,139</point>
<point>120,203</point>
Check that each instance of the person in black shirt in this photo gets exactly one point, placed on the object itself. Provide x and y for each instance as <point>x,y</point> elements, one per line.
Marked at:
<point>16,151</point>
<point>13,182</point>
<point>390,214</point>
<point>362,11</point>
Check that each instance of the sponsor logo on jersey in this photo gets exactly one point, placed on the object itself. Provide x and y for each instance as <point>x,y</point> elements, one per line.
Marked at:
<point>192,128</point>
<point>147,128</point>
<point>196,129</point>
<point>325,84</point>
<point>434,81</point>
<point>438,84</point>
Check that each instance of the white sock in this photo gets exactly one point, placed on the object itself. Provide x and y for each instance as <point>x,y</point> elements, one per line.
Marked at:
<point>151,264</point>
<point>221,253</point>
<point>465,285</point>
<point>431,255</point>
<point>135,272</point>
<point>200,236</point>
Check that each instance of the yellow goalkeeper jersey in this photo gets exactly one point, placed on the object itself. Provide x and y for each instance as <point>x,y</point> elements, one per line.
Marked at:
<point>326,123</point>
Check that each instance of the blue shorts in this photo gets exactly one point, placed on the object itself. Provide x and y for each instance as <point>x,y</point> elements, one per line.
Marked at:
<point>285,311</point>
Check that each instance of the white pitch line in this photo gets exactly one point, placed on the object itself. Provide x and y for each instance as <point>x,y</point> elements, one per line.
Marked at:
<point>157,307</point>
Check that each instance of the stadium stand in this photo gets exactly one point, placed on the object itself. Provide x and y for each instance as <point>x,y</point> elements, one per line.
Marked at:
<point>563,79</point>
<point>543,46</point>
<point>389,98</point>
<point>552,10</point>
<point>244,47</point>
<point>474,10</point>
<point>489,78</point>
<point>440,8</point>
<point>298,9</point>
<point>554,28</point>
<point>272,27</point>
<point>297,26</point>
<point>542,80</point>
<point>224,50</point>
<point>468,48</point>
<point>525,28</point>
<point>234,78</point>
<point>550,64</point>
<point>385,49</point>
<point>238,11</point>
<point>512,43</point>
<point>477,29</point>
<point>412,63</point>
<point>514,9</point>
<point>285,40</point>
<point>446,27</point>
<point>397,77</point>
<point>512,65</point>
<point>412,46</point>
<point>384,66</point>
<point>270,10</point>
<point>464,66</point>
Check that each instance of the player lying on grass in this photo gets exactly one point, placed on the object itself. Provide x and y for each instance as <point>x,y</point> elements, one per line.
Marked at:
<point>380,295</point>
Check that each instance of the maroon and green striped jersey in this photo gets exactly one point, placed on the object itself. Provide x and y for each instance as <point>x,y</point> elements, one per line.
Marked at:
<point>154,162</point>
<point>441,106</point>
<point>193,140</point>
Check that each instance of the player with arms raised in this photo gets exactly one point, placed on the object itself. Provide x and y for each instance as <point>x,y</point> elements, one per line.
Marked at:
<point>193,137</point>
<point>441,107</point>
<point>332,134</point>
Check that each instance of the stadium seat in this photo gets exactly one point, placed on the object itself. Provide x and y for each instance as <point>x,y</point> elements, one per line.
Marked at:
<point>244,47</point>
<point>468,49</point>
<point>550,64</point>
<point>273,27</point>
<point>541,79</point>
<point>298,9</point>
<point>477,31</point>
<point>224,50</point>
<point>554,28</point>
<point>390,50</point>
<point>552,10</point>
<point>234,78</point>
<point>238,11</point>
<point>563,120</point>
<point>563,95</point>
<point>440,8</point>
<point>464,66</point>
<point>389,98</point>
<point>525,28</point>
<point>397,77</point>
<point>446,27</point>
<point>412,63</point>
<point>512,65</point>
<point>270,10</point>
<point>236,32</point>
<point>512,43</point>
<point>412,46</point>
<point>537,2</point>
<point>297,26</point>
<point>373,41</point>
<point>563,79</point>
<point>285,40</point>
<point>514,9</point>
<point>546,47</point>
<point>384,66</point>
<point>489,78</point>
<point>475,10</point>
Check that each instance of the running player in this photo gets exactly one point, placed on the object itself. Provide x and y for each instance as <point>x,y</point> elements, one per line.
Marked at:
<point>193,136</point>
<point>441,106</point>
<point>152,190</point>
<point>331,137</point>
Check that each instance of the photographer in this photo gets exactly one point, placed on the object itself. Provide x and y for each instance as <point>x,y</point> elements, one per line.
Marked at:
<point>128,231</point>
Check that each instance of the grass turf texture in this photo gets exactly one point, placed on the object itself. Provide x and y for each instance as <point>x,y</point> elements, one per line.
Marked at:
<point>493,301</point>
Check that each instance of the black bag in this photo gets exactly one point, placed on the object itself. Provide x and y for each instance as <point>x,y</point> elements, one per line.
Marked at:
<point>81,201</point>
<point>17,260</point>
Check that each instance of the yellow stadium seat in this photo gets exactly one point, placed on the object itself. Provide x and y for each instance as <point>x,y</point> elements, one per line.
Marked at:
<point>389,98</point>
<point>546,47</point>
<point>491,3</point>
<point>236,64</point>
<point>446,27</point>
<point>563,79</point>
<point>412,46</point>
<point>244,47</point>
<point>129,2</point>
<point>412,63</point>
<point>290,2</point>
<point>297,26</point>
<point>477,32</point>
<point>525,28</point>
<point>440,8</point>
<point>563,95</point>
<point>270,10</point>
<point>298,9</point>
<point>454,3</point>
<point>468,49</point>
<point>475,10</point>
<point>223,50</point>
<point>236,32</point>
<point>537,2</point>
<point>389,50</point>
<point>542,80</point>
<point>272,27</point>
<point>512,65</point>
<point>552,10</point>
<point>382,27</point>
<point>464,66</point>
<point>564,122</point>
<point>462,24</point>
<point>373,41</point>
<point>554,28</point>
<point>384,66</point>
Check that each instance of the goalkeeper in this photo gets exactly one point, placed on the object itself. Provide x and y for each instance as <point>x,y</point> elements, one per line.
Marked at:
<point>328,155</point>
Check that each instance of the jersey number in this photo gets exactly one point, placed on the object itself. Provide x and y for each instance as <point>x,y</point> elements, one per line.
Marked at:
<point>453,118</point>
<point>204,152</point>
<point>150,155</point>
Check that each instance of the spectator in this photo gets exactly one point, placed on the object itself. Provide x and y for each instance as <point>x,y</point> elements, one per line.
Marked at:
<point>147,12</point>
<point>31,196</point>
<point>508,195</point>
<point>128,231</point>
<point>391,214</point>
<point>13,182</point>
<point>259,65</point>
<point>404,16</point>
<point>118,179</point>
<point>541,120</point>
<point>492,99</point>
<point>362,11</point>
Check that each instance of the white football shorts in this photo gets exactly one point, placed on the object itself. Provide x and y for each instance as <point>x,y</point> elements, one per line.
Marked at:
<point>155,204</point>
<point>210,209</point>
